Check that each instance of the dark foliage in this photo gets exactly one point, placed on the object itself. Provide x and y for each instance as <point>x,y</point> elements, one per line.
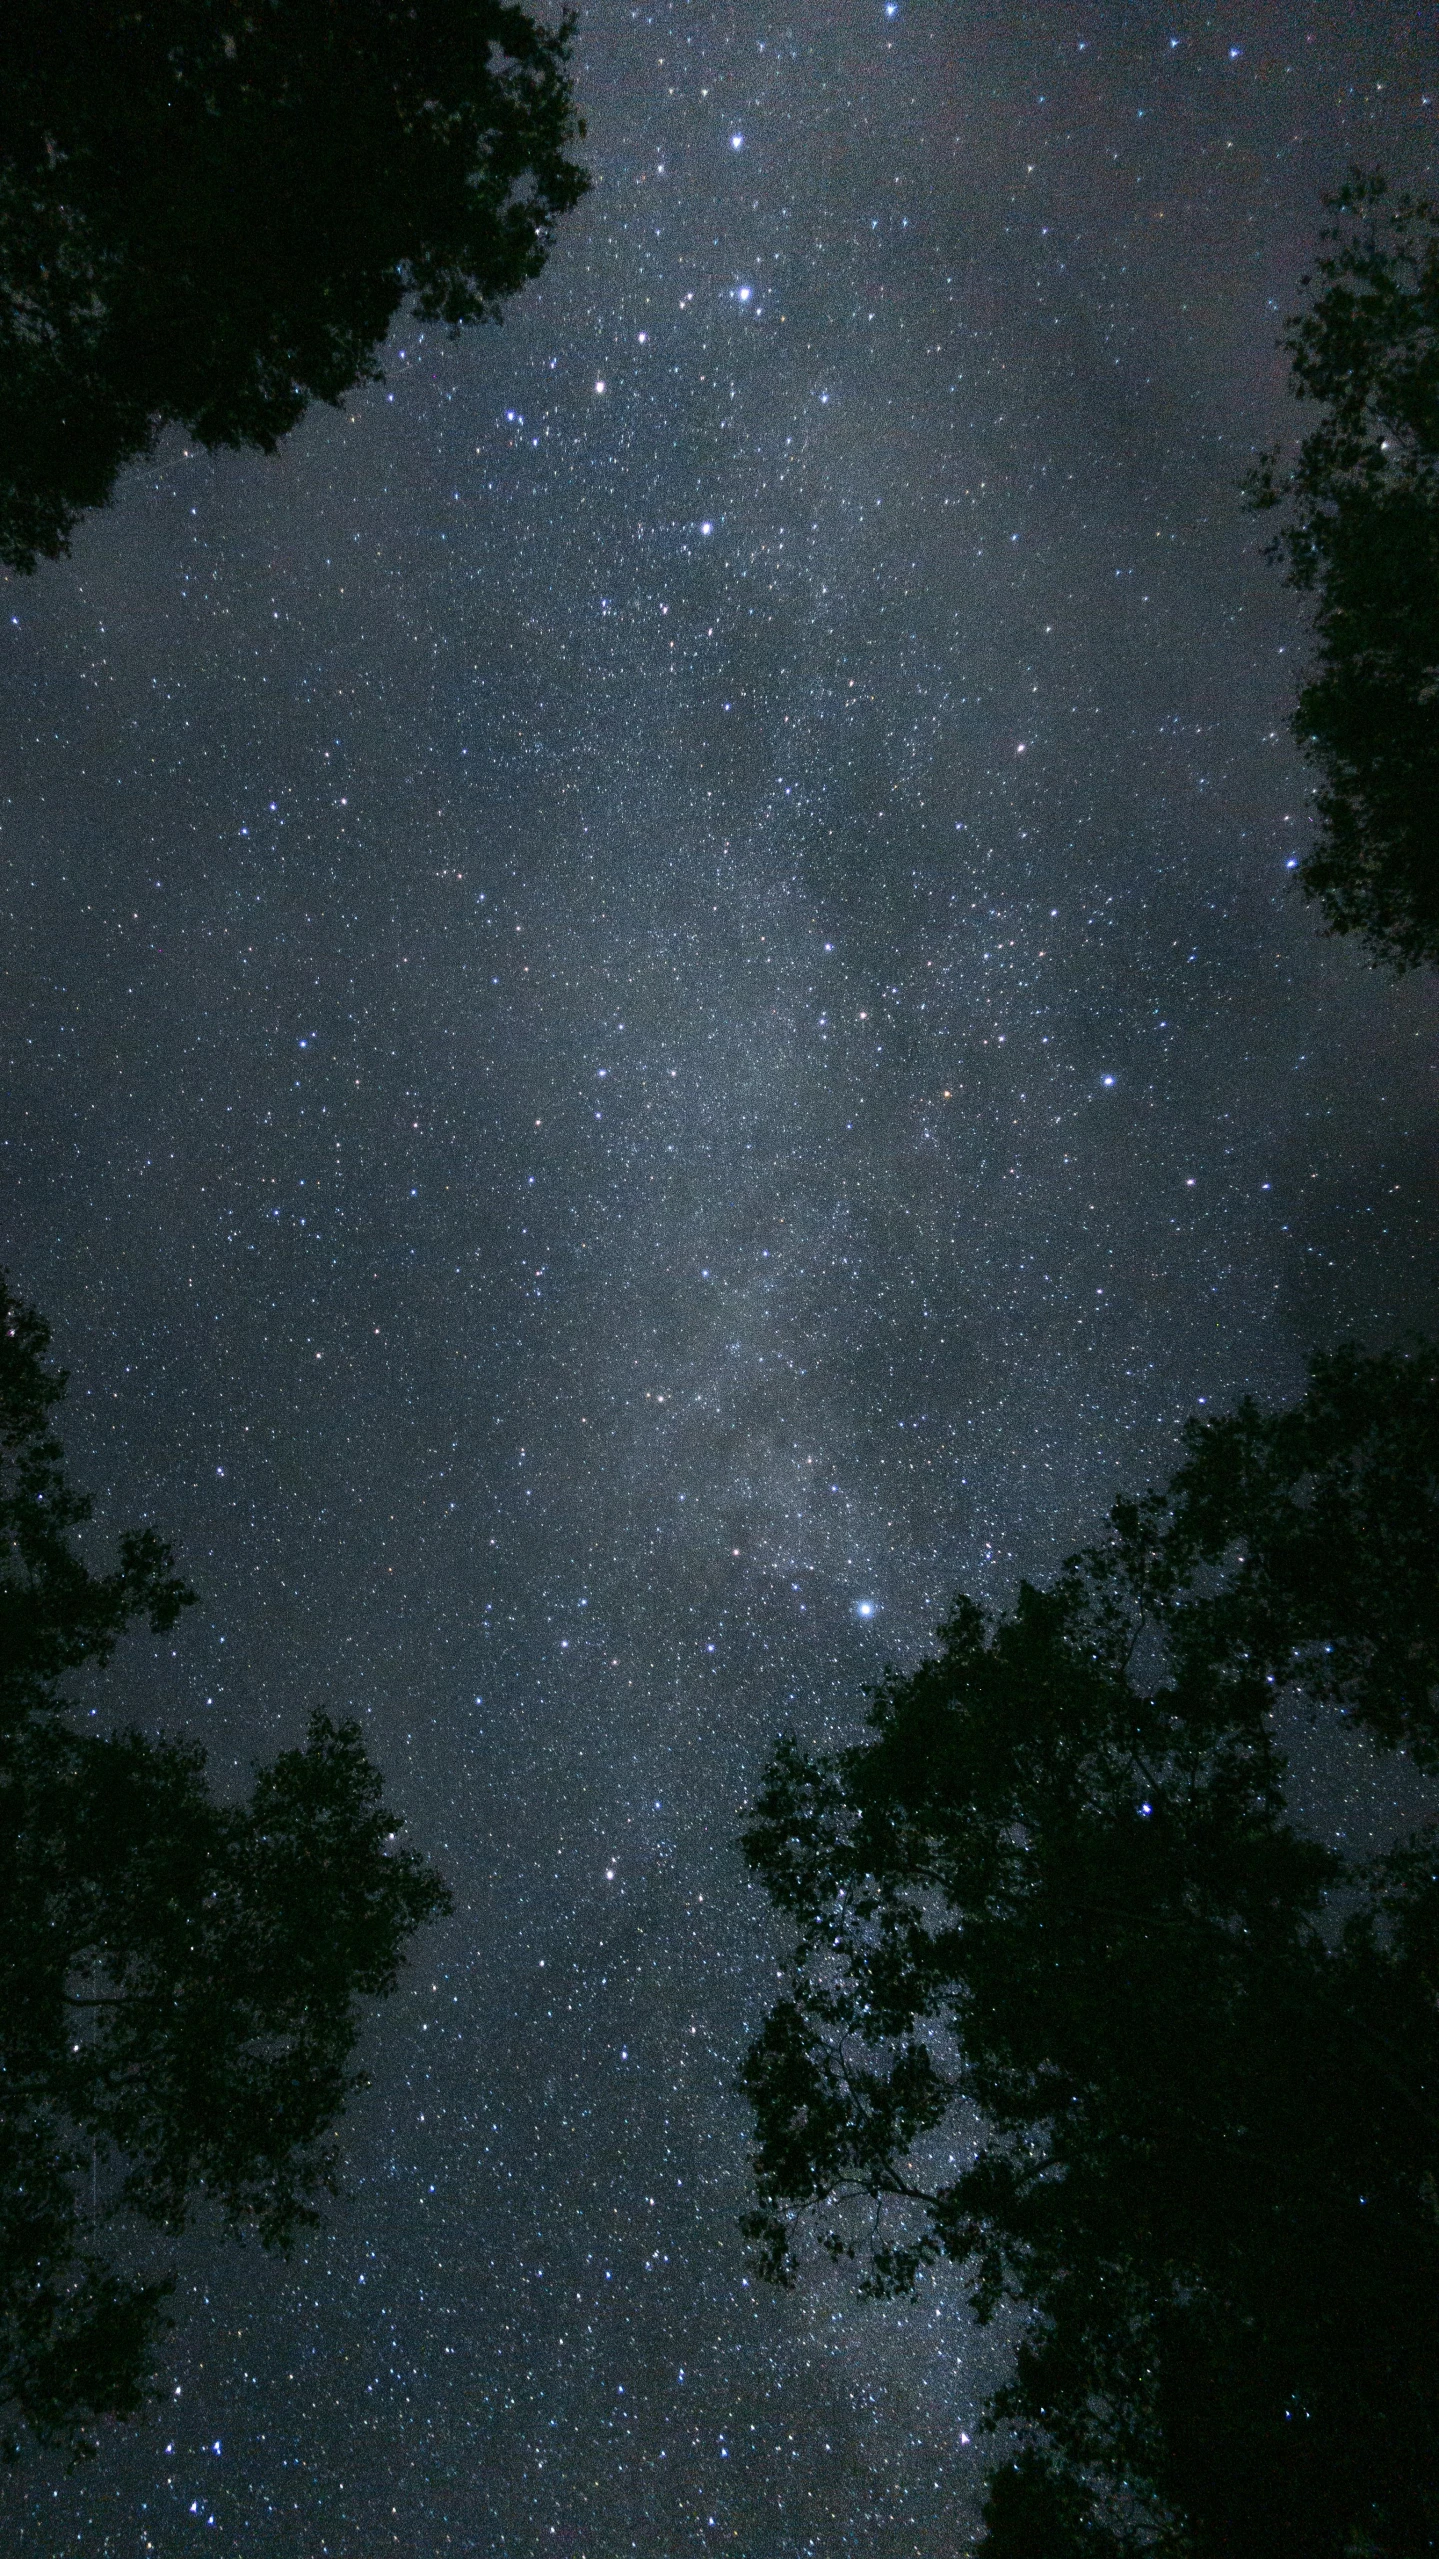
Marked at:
<point>1075,2005</point>
<point>179,1976</point>
<point>1361,534</point>
<point>212,210</point>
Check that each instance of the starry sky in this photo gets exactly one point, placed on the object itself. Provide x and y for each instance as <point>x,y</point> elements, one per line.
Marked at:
<point>653,1013</point>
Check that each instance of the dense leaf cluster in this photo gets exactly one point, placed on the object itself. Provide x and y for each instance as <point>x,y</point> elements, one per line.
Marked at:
<point>1076,2004</point>
<point>1361,534</point>
<point>212,210</point>
<point>179,1976</point>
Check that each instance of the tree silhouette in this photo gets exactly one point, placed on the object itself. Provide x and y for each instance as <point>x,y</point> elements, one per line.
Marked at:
<point>179,1976</point>
<point>211,212</point>
<point>1076,2005</point>
<point>1361,535</point>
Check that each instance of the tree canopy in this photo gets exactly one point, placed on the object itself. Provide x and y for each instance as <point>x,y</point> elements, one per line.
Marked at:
<point>1360,533</point>
<point>179,1975</point>
<point>211,212</point>
<point>1077,2004</point>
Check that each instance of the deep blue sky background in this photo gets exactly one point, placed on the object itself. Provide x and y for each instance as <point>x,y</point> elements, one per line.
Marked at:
<point>649,995</point>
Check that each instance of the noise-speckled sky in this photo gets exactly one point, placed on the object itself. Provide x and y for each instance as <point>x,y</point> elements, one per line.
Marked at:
<point>653,1013</point>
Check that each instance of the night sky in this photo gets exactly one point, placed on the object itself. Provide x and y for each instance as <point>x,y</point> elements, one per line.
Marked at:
<point>653,1013</point>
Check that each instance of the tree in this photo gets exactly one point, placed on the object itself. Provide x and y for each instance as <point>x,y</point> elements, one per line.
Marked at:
<point>179,1976</point>
<point>211,212</point>
<point>1076,2004</point>
<point>1361,535</point>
